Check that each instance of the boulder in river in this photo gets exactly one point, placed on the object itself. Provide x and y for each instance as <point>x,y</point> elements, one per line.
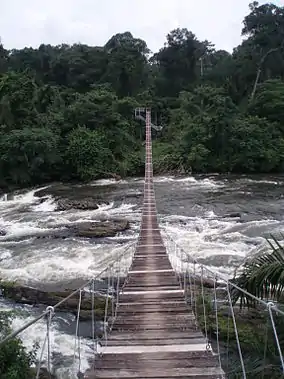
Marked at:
<point>233,215</point>
<point>84,204</point>
<point>32,296</point>
<point>101,229</point>
<point>44,374</point>
<point>95,229</point>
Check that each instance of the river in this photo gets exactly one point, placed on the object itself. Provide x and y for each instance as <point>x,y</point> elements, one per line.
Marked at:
<point>219,220</point>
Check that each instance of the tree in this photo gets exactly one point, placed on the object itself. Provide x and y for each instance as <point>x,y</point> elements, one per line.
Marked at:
<point>269,101</point>
<point>127,69</point>
<point>17,106</point>
<point>177,61</point>
<point>88,153</point>
<point>256,145</point>
<point>27,155</point>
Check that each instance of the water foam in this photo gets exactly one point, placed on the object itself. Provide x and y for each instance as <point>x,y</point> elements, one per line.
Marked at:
<point>61,343</point>
<point>222,243</point>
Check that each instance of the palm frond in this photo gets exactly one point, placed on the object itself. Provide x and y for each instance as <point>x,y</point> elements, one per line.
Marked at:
<point>262,276</point>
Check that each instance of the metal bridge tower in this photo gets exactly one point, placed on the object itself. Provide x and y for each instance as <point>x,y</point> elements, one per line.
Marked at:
<point>140,114</point>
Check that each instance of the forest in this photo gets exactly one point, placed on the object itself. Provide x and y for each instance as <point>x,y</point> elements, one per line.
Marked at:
<point>67,112</point>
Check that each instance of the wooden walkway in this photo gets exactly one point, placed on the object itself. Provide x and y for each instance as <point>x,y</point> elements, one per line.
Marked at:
<point>154,335</point>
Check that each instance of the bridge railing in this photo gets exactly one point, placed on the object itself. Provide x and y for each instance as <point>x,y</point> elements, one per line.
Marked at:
<point>242,337</point>
<point>103,288</point>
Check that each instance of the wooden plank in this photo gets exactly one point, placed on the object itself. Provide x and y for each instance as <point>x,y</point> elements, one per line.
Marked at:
<point>154,317</point>
<point>173,327</point>
<point>156,283</point>
<point>141,310</point>
<point>151,302</point>
<point>156,335</point>
<point>151,274</point>
<point>135,342</point>
<point>126,291</point>
<point>156,364</point>
<point>180,355</point>
<point>149,372</point>
<point>151,296</point>
<point>138,273</point>
<point>151,288</point>
<point>186,326</point>
<point>167,318</point>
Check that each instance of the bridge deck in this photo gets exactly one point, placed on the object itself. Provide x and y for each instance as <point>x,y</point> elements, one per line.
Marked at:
<point>154,334</point>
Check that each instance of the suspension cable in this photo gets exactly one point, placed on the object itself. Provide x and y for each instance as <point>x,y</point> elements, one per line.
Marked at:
<point>225,280</point>
<point>265,348</point>
<point>106,308</point>
<point>190,288</point>
<point>51,312</point>
<point>93,313</point>
<point>77,337</point>
<point>236,331</point>
<point>41,355</point>
<point>112,298</point>
<point>117,290</point>
<point>217,322</point>
<point>195,297</point>
<point>57,305</point>
<point>270,305</point>
<point>204,311</point>
<point>228,340</point>
<point>186,283</point>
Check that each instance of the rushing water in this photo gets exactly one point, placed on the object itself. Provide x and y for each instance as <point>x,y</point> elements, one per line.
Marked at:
<point>219,220</point>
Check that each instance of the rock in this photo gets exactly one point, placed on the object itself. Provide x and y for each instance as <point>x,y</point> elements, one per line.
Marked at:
<point>2,232</point>
<point>116,177</point>
<point>101,229</point>
<point>232,215</point>
<point>207,282</point>
<point>85,204</point>
<point>32,296</point>
<point>44,374</point>
<point>86,315</point>
<point>77,193</point>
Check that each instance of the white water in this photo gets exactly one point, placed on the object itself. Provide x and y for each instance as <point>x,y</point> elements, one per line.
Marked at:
<point>51,261</point>
<point>61,343</point>
<point>203,234</point>
<point>4,197</point>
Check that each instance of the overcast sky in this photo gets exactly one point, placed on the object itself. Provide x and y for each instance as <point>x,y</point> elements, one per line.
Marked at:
<point>32,22</point>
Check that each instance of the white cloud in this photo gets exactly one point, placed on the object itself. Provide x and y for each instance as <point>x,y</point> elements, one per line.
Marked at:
<point>32,22</point>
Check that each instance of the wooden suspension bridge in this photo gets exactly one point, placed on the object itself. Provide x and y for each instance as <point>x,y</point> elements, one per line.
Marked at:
<point>154,334</point>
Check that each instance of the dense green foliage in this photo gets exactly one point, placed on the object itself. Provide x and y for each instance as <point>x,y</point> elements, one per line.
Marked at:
<point>66,112</point>
<point>15,361</point>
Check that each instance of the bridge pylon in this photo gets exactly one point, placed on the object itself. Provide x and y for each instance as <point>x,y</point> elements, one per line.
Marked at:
<point>140,114</point>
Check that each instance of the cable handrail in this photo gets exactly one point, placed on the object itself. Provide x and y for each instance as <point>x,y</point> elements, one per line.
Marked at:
<point>182,257</point>
<point>267,304</point>
<point>50,309</point>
